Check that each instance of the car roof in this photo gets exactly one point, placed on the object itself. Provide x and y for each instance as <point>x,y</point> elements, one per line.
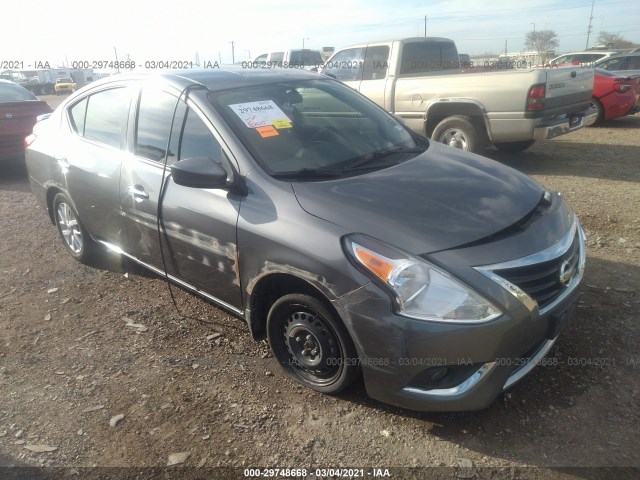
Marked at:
<point>618,55</point>
<point>219,78</point>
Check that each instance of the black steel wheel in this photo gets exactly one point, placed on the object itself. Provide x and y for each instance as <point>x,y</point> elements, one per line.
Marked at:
<point>311,343</point>
<point>74,236</point>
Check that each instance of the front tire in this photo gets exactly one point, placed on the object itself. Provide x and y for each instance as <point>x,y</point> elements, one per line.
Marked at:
<point>311,344</point>
<point>459,132</point>
<point>73,234</point>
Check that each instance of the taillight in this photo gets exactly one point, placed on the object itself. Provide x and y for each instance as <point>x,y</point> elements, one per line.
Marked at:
<point>619,86</point>
<point>535,99</point>
<point>29,140</point>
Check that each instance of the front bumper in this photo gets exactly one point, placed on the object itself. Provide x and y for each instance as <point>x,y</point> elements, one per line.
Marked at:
<point>561,126</point>
<point>432,366</point>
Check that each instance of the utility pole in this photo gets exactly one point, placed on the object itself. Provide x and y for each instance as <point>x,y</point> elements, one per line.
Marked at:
<point>425,25</point>
<point>534,27</point>
<point>590,20</point>
<point>116,52</point>
<point>305,38</point>
<point>233,52</point>
<point>505,46</point>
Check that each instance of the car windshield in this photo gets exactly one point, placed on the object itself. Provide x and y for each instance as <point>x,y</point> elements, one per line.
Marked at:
<point>64,80</point>
<point>313,129</point>
<point>14,93</point>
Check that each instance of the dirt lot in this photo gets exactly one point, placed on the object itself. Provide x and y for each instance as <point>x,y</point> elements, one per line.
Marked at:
<point>69,362</point>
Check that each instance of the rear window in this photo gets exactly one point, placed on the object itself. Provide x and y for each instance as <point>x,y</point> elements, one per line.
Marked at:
<point>424,57</point>
<point>305,58</point>
<point>105,116</point>
<point>10,92</point>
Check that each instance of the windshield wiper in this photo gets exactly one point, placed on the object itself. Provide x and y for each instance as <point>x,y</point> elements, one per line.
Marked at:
<point>372,160</point>
<point>310,173</point>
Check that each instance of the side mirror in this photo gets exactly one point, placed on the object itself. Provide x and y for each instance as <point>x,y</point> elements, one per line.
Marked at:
<point>199,172</point>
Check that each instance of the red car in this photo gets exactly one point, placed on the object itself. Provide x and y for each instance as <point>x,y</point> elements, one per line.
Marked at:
<point>19,109</point>
<point>615,95</point>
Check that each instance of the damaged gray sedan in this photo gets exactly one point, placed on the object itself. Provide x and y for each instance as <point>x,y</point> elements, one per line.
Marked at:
<point>354,245</point>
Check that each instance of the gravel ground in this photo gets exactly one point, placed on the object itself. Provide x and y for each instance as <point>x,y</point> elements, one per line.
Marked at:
<point>97,364</point>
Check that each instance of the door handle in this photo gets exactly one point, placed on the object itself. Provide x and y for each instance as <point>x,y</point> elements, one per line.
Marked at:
<point>138,192</point>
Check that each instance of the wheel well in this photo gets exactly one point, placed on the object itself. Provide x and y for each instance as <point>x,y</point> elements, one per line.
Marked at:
<point>269,289</point>
<point>440,111</point>
<point>51,194</point>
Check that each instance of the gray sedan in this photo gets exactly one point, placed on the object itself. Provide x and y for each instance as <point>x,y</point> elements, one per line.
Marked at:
<point>354,245</point>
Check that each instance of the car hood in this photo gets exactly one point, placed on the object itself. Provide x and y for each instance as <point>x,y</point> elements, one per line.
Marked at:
<point>438,200</point>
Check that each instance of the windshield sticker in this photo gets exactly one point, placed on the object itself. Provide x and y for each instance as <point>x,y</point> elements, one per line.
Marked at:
<point>259,114</point>
<point>267,131</point>
<point>280,123</point>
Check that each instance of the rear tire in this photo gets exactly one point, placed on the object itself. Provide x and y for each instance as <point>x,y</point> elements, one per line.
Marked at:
<point>311,344</point>
<point>514,146</point>
<point>459,132</point>
<point>73,234</point>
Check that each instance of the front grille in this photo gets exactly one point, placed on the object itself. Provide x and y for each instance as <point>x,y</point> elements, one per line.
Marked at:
<point>543,281</point>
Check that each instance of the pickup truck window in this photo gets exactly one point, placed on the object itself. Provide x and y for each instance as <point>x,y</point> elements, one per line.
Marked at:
<point>425,57</point>
<point>376,63</point>
<point>346,65</point>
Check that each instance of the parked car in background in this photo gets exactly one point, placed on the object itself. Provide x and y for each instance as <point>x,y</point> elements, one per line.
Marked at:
<point>19,109</point>
<point>624,64</point>
<point>306,59</point>
<point>615,95</point>
<point>420,80</point>
<point>298,205</point>
<point>580,58</point>
<point>64,86</point>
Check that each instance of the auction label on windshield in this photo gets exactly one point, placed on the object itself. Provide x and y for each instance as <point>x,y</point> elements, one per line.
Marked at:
<point>259,114</point>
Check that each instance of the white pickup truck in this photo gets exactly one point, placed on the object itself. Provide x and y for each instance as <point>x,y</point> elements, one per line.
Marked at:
<point>420,81</point>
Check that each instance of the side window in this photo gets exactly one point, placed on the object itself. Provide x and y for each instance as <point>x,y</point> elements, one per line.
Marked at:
<point>613,64</point>
<point>154,123</point>
<point>376,63</point>
<point>426,57</point>
<point>634,63</point>
<point>77,114</point>
<point>276,57</point>
<point>346,65</point>
<point>198,141</point>
<point>105,116</point>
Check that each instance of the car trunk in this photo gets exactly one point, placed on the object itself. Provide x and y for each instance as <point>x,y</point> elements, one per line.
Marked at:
<point>16,122</point>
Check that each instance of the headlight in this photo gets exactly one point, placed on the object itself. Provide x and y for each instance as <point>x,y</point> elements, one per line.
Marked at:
<point>421,290</point>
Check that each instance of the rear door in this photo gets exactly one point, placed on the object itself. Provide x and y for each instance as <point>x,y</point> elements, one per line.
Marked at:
<point>92,157</point>
<point>198,234</point>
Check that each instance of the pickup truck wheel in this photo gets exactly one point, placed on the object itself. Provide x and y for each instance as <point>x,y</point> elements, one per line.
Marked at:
<point>459,132</point>
<point>311,343</point>
<point>514,146</point>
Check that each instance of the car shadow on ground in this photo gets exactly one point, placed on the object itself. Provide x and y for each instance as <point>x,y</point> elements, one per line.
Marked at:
<point>556,157</point>
<point>13,176</point>
<point>584,397</point>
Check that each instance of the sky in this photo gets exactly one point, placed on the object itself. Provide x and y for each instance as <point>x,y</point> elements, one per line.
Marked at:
<point>145,30</point>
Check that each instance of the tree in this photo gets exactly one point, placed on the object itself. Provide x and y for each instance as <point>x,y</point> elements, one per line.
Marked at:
<point>614,40</point>
<point>541,41</point>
